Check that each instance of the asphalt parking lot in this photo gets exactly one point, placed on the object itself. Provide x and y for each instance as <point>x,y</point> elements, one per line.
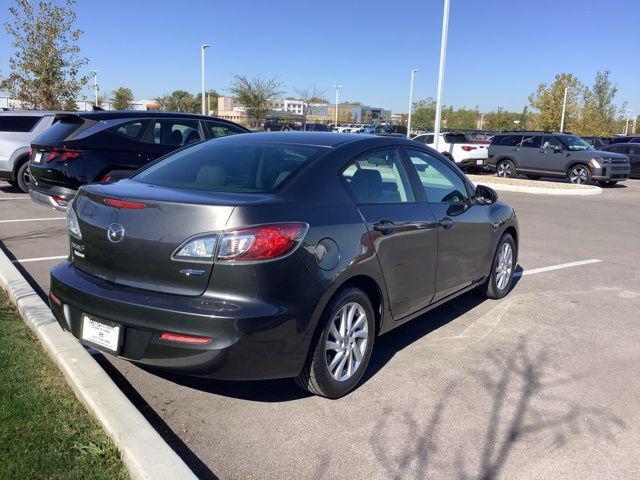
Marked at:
<point>541,384</point>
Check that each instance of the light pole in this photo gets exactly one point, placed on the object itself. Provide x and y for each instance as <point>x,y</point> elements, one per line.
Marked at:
<point>95,86</point>
<point>443,57</point>
<point>481,121</point>
<point>202,49</point>
<point>338,87</point>
<point>626,126</point>
<point>413,74</point>
<point>564,109</point>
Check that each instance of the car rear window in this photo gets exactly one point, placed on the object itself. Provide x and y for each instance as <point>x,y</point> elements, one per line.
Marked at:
<point>455,138</point>
<point>63,129</point>
<point>247,167</point>
<point>17,123</point>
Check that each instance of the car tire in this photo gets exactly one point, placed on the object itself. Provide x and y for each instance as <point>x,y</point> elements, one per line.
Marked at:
<point>506,169</point>
<point>494,287</point>
<point>534,177</point>
<point>316,376</point>
<point>579,174</point>
<point>23,177</point>
<point>608,183</point>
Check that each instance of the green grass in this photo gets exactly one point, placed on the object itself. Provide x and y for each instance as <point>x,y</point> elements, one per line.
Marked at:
<point>45,432</point>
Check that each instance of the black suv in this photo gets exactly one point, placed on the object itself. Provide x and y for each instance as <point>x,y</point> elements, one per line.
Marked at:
<point>538,154</point>
<point>91,147</point>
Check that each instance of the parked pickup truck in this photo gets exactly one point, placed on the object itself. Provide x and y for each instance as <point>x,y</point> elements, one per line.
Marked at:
<point>458,148</point>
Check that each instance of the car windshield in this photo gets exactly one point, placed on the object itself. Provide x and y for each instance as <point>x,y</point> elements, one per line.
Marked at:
<point>575,143</point>
<point>247,167</point>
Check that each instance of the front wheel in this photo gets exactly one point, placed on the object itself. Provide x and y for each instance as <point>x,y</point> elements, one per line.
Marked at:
<point>579,175</point>
<point>342,350</point>
<point>504,264</point>
<point>506,169</point>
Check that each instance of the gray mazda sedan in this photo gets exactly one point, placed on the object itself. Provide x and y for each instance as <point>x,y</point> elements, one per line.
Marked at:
<point>271,255</point>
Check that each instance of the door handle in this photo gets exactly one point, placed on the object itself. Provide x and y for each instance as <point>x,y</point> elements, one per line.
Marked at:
<point>446,223</point>
<point>384,226</point>
<point>515,149</point>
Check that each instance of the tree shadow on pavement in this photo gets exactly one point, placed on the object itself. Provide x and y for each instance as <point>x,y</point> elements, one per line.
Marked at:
<point>519,386</point>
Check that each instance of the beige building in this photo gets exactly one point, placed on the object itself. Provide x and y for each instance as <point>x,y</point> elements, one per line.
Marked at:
<point>229,109</point>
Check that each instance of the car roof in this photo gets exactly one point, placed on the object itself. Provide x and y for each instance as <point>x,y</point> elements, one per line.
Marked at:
<point>111,114</point>
<point>323,139</point>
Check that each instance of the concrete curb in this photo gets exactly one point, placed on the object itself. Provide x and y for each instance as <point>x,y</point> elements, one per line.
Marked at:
<point>145,454</point>
<point>587,190</point>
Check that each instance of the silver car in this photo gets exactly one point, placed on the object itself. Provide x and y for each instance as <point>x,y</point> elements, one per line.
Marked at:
<point>17,129</point>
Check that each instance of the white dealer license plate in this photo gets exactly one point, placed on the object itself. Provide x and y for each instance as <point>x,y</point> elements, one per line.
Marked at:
<point>101,334</point>
<point>37,157</point>
<point>479,162</point>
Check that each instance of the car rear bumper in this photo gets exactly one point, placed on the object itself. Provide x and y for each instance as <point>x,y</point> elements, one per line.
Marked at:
<point>250,338</point>
<point>53,197</point>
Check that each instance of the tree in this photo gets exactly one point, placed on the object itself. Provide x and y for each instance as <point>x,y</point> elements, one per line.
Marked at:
<point>122,99</point>
<point>501,120</point>
<point>307,95</point>
<point>179,101</point>
<point>211,101</point>
<point>460,119</point>
<point>70,105</point>
<point>320,100</point>
<point>255,94</point>
<point>547,100</point>
<point>423,114</point>
<point>599,112</point>
<point>45,66</point>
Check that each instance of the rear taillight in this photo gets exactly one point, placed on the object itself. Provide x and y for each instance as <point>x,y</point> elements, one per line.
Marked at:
<point>62,154</point>
<point>124,204</point>
<point>72,223</point>
<point>467,148</point>
<point>182,338</point>
<point>253,244</point>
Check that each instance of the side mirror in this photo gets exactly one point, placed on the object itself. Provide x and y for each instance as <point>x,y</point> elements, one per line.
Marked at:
<point>485,195</point>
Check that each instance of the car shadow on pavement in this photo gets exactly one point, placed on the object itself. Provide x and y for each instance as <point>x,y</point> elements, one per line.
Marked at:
<point>30,280</point>
<point>8,188</point>
<point>520,402</point>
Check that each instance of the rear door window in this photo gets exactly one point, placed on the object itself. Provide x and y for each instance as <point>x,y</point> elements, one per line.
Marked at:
<point>238,167</point>
<point>218,129</point>
<point>17,123</point>
<point>132,130</point>
<point>378,177</point>
<point>506,140</point>
<point>175,133</point>
<point>531,141</point>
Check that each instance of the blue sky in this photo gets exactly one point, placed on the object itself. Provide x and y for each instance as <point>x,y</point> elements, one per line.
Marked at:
<point>499,50</point>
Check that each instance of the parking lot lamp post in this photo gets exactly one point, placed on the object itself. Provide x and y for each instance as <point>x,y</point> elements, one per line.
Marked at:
<point>626,126</point>
<point>413,74</point>
<point>95,87</point>
<point>338,87</point>
<point>202,49</point>
<point>564,109</point>
<point>443,56</point>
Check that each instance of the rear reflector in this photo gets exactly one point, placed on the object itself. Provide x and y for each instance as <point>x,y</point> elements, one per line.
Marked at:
<point>112,202</point>
<point>62,201</point>
<point>179,337</point>
<point>55,299</point>
<point>467,148</point>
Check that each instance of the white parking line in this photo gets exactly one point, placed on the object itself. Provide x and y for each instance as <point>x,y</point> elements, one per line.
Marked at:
<point>32,219</point>
<point>556,267</point>
<point>39,259</point>
<point>16,198</point>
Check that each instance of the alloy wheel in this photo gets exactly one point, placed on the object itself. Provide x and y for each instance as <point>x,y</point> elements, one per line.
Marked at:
<point>346,341</point>
<point>579,175</point>
<point>504,169</point>
<point>504,266</point>
<point>26,176</point>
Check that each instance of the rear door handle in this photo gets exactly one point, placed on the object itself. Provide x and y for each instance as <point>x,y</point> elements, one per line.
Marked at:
<point>516,149</point>
<point>446,223</point>
<point>384,226</point>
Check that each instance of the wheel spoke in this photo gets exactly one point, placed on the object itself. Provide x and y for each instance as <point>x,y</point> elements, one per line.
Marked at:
<point>334,331</point>
<point>350,363</point>
<point>359,322</point>
<point>343,321</point>
<point>359,334</point>
<point>329,345</point>
<point>352,312</point>
<point>357,352</point>
<point>338,370</point>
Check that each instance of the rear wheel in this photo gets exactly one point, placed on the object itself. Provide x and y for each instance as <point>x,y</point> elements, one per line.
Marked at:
<point>341,352</point>
<point>506,169</point>
<point>607,183</point>
<point>579,174</point>
<point>23,177</point>
<point>504,264</point>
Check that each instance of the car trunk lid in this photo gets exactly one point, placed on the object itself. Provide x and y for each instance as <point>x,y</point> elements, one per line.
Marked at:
<point>129,233</point>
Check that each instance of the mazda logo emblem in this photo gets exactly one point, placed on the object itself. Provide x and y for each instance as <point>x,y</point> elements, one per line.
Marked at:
<point>115,233</point>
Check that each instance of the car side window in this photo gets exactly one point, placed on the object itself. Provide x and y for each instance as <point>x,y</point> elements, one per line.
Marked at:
<point>551,142</point>
<point>441,184</point>
<point>378,177</point>
<point>222,130</point>
<point>131,130</point>
<point>632,150</point>
<point>175,133</point>
<point>531,141</point>
<point>506,140</point>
